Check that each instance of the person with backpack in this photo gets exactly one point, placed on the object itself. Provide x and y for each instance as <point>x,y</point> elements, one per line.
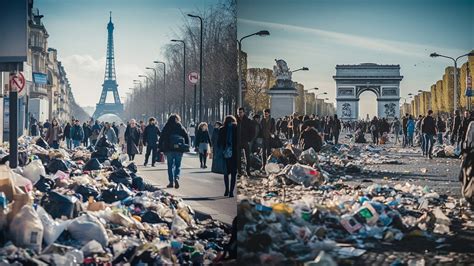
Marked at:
<point>150,140</point>
<point>410,130</point>
<point>77,134</point>
<point>227,141</point>
<point>174,141</point>
<point>132,138</point>
<point>202,142</point>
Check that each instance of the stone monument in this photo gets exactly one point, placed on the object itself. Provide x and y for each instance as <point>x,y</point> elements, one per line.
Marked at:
<point>283,93</point>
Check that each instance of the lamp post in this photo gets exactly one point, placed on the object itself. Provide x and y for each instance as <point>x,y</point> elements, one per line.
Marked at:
<point>200,69</point>
<point>300,69</point>
<point>164,89</point>
<point>239,42</point>
<point>316,97</point>
<point>146,90</point>
<point>304,92</point>
<point>138,105</point>
<point>455,60</point>
<point>156,88</point>
<point>184,79</point>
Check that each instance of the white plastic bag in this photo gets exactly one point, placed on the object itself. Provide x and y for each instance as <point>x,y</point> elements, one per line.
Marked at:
<point>34,170</point>
<point>86,228</point>
<point>21,181</point>
<point>52,228</point>
<point>26,229</point>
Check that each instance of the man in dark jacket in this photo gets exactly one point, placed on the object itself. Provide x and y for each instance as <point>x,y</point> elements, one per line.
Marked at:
<point>87,133</point>
<point>268,132</point>
<point>150,140</point>
<point>336,129</point>
<point>455,136</point>
<point>464,124</point>
<point>76,134</point>
<point>404,128</point>
<point>428,128</point>
<point>246,133</point>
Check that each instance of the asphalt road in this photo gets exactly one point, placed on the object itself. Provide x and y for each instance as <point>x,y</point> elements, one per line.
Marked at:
<point>201,189</point>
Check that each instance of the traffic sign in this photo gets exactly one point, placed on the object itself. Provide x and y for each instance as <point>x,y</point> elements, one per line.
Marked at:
<point>17,82</point>
<point>193,77</point>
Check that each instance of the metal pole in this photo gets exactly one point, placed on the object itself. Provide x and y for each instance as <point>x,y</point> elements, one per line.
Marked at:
<point>194,109</point>
<point>240,73</point>
<point>455,104</point>
<point>184,83</point>
<point>200,80</point>
<point>13,127</point>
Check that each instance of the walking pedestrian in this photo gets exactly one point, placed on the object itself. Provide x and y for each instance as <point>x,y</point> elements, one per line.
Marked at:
<point>67,135</point>
<point>34,129</point>
<point>132,138</point>
<point>374,130</point>
<point>86,128</point>
<point>150,140</point>
<point>410,130</point>
<point>396,129</point>
<point>95,133</point>
<point>246,132</point>
<point>227,141</point>
<point>192,134</point>
<point>441,128</point>
<point>268,131</point>
<point>77,134</point>
<point>54,134</point>
<point>109,132</point>
<point>404,128</point>
<point>218,161</point>
<point>336,129</point>
<point>202,143</point>
<point>428,128</point>
<point>121,136</point>
<point>141,128</point>
<point>466,175</point>
<point>174,141</point>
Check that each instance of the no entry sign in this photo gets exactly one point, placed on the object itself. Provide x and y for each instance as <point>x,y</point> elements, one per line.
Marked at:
<point>193,77</point>
<point>17,82</point>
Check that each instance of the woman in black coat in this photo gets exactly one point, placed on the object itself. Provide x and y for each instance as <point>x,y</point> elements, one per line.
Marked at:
<point>202,143</point>
<point>227,141</point>
<point>132,137</point>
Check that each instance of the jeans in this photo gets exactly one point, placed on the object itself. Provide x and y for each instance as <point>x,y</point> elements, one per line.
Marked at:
<point>153,150</point>
<point>76,143</point>
<point>266,151</point>
<point>174,165</point>
<point>246,147</point>
<point>68,143</point>
<point>440,138</point>
<point>193,138</point>
<point>410,139</point>
<point>428,143</point>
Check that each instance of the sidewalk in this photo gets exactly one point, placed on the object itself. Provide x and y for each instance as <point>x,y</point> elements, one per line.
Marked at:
<point>201,189</point>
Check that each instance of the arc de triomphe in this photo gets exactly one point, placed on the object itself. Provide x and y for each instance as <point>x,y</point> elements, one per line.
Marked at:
<point>353,80</point>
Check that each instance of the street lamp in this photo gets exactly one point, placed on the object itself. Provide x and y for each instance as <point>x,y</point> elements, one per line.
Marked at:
<point>200,68</point>
<point>316,97</point>
<point>239,42</point>
<point>164,87</point>
<point>184,78</point>
<point>156,88</point>
<point>455,104</point>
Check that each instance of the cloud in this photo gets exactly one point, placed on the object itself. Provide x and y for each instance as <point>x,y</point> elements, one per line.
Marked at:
<point>86,75</point>
<point>374,44</point>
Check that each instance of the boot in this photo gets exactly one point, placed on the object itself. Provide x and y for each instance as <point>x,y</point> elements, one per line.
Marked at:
<point>226,183</point>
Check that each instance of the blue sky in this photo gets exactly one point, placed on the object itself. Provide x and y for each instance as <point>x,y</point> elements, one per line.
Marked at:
<point>322,33</point>
<point>78,30</point>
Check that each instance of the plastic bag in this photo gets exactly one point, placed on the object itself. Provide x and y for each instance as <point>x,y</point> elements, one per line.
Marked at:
<point>86,228</point>
<point>55,165</point>
<point>132,167</point>
<point>178,224</point>
<point>87,191</point>
<point>22,182</point>
<point>58,205</point>
<point>34,170</point>
<point>116,193</point>
<point>26,229</point>
<point>304,175</point>
<point>52,229</point>
<point>309,156</point>
<point>42,143</point>
<point>121,176</point>
<point>272,168</point>
<point>92,164</point>
<point>44,184</point>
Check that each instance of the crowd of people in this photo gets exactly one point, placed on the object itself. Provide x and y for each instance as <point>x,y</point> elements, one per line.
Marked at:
<point>167,143</point>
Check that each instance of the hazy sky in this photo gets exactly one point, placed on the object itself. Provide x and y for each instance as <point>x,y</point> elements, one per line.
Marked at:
<point>78,30</point>
<point>322,33</point>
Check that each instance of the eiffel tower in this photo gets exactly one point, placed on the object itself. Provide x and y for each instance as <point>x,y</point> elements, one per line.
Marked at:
<point>110,82</point>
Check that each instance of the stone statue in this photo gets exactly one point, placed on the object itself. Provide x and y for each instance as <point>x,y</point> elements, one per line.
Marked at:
<point>281,70</point>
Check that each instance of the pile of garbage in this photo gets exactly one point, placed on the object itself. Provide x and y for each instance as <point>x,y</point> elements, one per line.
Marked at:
<point>90,206</point>
<point>303,211</point>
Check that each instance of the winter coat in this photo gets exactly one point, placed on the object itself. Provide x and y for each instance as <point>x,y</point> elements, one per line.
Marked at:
<point>428,125</point>
<point>267,127</point>
<point>222,141</point>
<point>67,131</point>
<point>132,137</point>
<point>310,138</point>
<point>110,134</point>
<point>410,126</point>
<point>77,133</point>
<point>245,129</point>
<point>171,129</point>
<point>87,132</point>
<point>218,161</point>
<point>150,135</point>
<point>202,137</point>
<point>54,134</point>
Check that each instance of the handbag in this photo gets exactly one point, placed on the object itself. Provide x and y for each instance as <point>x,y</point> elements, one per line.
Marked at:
<point>228,152</point>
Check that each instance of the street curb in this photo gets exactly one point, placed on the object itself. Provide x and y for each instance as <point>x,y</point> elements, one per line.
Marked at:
<point>201,216</point>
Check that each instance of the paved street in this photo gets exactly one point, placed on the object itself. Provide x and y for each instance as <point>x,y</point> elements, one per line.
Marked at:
<point>201,189</point>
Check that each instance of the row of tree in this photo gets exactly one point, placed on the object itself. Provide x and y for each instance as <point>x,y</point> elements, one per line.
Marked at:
<point>219,71</point>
